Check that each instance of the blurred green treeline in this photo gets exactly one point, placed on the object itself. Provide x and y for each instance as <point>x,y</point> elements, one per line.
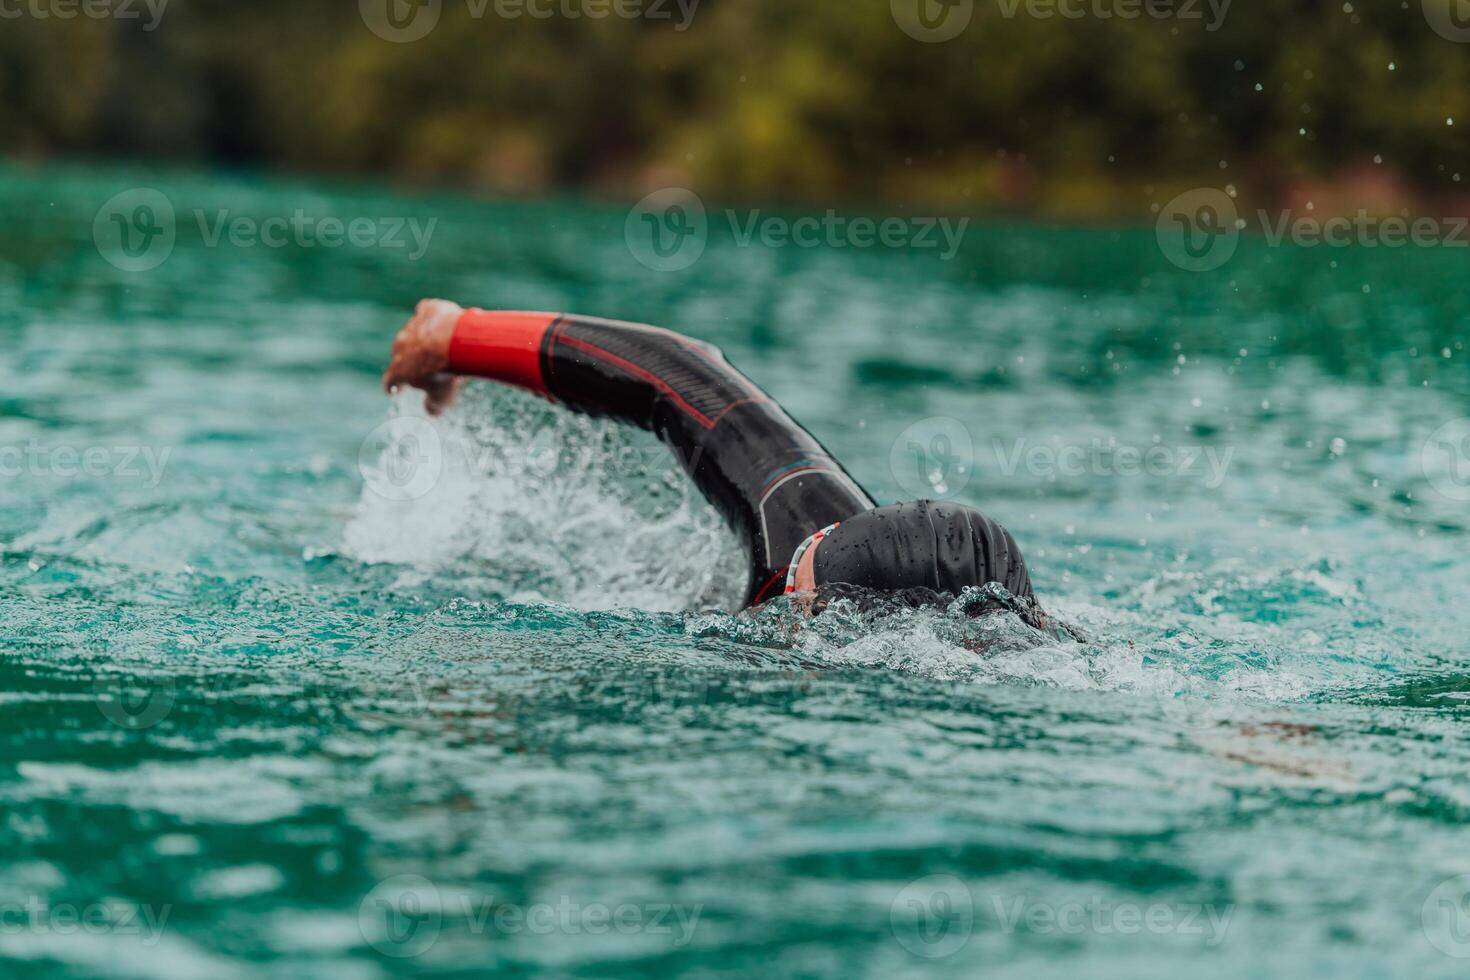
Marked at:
<point>816,102</point>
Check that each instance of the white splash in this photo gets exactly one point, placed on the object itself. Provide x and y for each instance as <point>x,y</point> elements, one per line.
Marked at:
<point>516,498</point>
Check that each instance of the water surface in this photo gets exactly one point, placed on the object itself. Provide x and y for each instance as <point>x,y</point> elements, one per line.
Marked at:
<point>302,726</point>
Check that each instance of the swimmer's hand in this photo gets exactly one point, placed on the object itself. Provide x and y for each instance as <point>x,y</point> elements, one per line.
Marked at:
<point>421,355</point>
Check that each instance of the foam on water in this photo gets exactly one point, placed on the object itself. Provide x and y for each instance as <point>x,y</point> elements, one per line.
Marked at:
<point>519,500</point>
<point>531,502</point>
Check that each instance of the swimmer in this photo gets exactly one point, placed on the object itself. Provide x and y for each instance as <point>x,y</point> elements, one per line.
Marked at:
<point>806,524</point>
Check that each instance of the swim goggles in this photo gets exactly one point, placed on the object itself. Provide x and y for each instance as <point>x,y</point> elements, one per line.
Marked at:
<point>800,551</point>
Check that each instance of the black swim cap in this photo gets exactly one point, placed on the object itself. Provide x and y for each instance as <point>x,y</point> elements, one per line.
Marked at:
<point>926,544</point>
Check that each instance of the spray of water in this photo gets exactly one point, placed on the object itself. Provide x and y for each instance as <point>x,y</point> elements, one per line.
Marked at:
<point>517,499</point>
<point>513,500</point>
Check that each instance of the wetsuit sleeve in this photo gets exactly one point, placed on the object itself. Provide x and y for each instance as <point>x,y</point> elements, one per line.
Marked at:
<point>766,475</point>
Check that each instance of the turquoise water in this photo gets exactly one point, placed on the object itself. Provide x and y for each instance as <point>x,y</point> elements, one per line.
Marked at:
<point>277,703</point>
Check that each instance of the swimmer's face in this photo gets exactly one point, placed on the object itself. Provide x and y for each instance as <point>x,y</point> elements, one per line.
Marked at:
<point>805,583</point>
<point>806,578</point>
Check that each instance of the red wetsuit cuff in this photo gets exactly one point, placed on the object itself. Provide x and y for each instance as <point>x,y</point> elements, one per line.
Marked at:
<point>502,346</point>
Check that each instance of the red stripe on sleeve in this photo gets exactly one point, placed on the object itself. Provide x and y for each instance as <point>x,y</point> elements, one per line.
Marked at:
<point>502,346</point>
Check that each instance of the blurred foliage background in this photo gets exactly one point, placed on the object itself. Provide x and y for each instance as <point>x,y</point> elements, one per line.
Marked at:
<point>815,102</point>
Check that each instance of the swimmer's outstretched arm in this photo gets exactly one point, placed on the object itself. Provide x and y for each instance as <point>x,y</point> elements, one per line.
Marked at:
<point>765,474</point>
